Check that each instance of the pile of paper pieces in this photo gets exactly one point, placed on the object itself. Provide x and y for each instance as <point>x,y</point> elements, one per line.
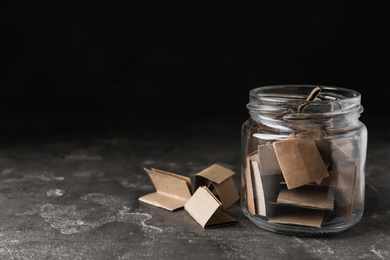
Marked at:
<point>301,181</point>
<point>174,191</point>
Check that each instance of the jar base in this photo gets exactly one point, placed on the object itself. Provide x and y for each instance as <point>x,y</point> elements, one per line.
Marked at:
<point>336,225</point>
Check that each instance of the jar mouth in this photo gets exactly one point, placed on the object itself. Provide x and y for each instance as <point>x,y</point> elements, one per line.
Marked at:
<point>280,98</point>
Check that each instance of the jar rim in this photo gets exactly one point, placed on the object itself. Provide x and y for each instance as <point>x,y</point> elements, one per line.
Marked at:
<point>269,93</point>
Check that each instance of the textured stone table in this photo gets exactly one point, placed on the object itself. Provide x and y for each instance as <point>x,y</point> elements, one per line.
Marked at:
<point>69,189</point>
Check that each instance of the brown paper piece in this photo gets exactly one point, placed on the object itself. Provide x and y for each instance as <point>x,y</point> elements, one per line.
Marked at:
<point>347,169</point>
<point>253,142</point>
<point>259,191</point>
<point>249,189</point>
<point>186,179</point>
<point>331,180</point>
<point>172,190</point>
<point>203,207</point>
<point>268,162</point>
<point>345,188</point>
<point>309,196</point>
<point>298,216</point>
<point>221,178</point>
<point>312,96</point>
<point>356,187</point>
<point>254,157</point>
<point>300,161</point>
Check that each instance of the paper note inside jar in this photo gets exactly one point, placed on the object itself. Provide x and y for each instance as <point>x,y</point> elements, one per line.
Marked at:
<point>300,161</point>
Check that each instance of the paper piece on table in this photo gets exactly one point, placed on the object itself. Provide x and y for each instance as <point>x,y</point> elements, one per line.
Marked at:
<point>221,179</point>
<point>172,190</point>
<point>268,162</point>
<point>249,188</point>
<point>308,196</point>
<point>298,216</point>
<point>300,161</point>
<point>203,207</point>
<point>259,191</point>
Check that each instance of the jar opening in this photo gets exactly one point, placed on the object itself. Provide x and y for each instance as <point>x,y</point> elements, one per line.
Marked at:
<point>284,102</point>
<point>288,95</point>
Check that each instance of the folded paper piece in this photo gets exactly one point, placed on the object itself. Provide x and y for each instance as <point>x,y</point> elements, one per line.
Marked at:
<point>269,164</point>
<point>259,191</point>
<point>300,161</point>
<point>203,207</point>
<point>331,180</point>
<point>249,188</point>
<point>221,179</point>
<point>308,196</point>
<point>298,216</point>
<point>172,190</point>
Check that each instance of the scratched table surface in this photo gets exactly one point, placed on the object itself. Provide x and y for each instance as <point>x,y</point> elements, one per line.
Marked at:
<point>69,189</point>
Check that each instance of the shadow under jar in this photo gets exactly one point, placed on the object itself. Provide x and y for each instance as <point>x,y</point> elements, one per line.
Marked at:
<point>303,159</point>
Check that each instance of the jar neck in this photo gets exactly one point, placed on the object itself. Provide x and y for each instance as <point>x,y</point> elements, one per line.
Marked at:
<point>286,109</point>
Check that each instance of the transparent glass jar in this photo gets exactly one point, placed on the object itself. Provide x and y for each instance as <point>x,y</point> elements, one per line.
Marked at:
<point>303,159</point>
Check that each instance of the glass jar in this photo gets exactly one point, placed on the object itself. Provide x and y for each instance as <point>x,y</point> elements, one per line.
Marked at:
<point>303,159</point>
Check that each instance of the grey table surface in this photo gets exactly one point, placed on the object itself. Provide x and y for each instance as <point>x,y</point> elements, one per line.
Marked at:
<point>69,189</point>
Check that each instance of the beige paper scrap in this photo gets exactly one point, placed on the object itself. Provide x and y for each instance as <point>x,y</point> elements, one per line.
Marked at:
<point>300,161</point>
<point>309,196</point>
<point>298,216</point>
<point>249,189</point>
<point>259,191</point>
<point>345,188</point>
<point>221,178</point>
<point>268,162</point>
<point>203,207</point>
<point>172,190</point>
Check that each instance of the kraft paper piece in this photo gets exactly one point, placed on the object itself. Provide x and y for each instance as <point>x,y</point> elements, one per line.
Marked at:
<point>254,157</point>
<point>347,178</point>
<point>309,196</point>
<point>345,188</point>
<point>325,150</point>
<point>356,187</point>
<point>172,190</point>
<point>203,207</point>
<point>249,189</point>
<point>311,97</point>
<point>331,180</point>
<point>268,162</point>
<point>298,216</point>
<point>221,179</point>
<point>252,142</point>
<point>271,190</point>
<point>259,191</point>
<point>300,161</point>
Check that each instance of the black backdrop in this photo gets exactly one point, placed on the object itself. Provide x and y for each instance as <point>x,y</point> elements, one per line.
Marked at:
<point>171,58</point>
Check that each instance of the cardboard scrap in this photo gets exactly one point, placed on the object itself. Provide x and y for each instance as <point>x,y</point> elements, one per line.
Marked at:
<point>300,161</point>
<point>268,162</point>
<point>249,189</point>
<point>298,216</point>
<point>252,142</point>
<point>347,172</point>
<point>308,196</point>
<point>203,207</point>
<point>345,188</point>
<point>172,190</point>
<point>221,178</point>
<point>259,191</point>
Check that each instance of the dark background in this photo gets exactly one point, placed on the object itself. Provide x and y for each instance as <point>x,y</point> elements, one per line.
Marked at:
<point>184,59</point>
